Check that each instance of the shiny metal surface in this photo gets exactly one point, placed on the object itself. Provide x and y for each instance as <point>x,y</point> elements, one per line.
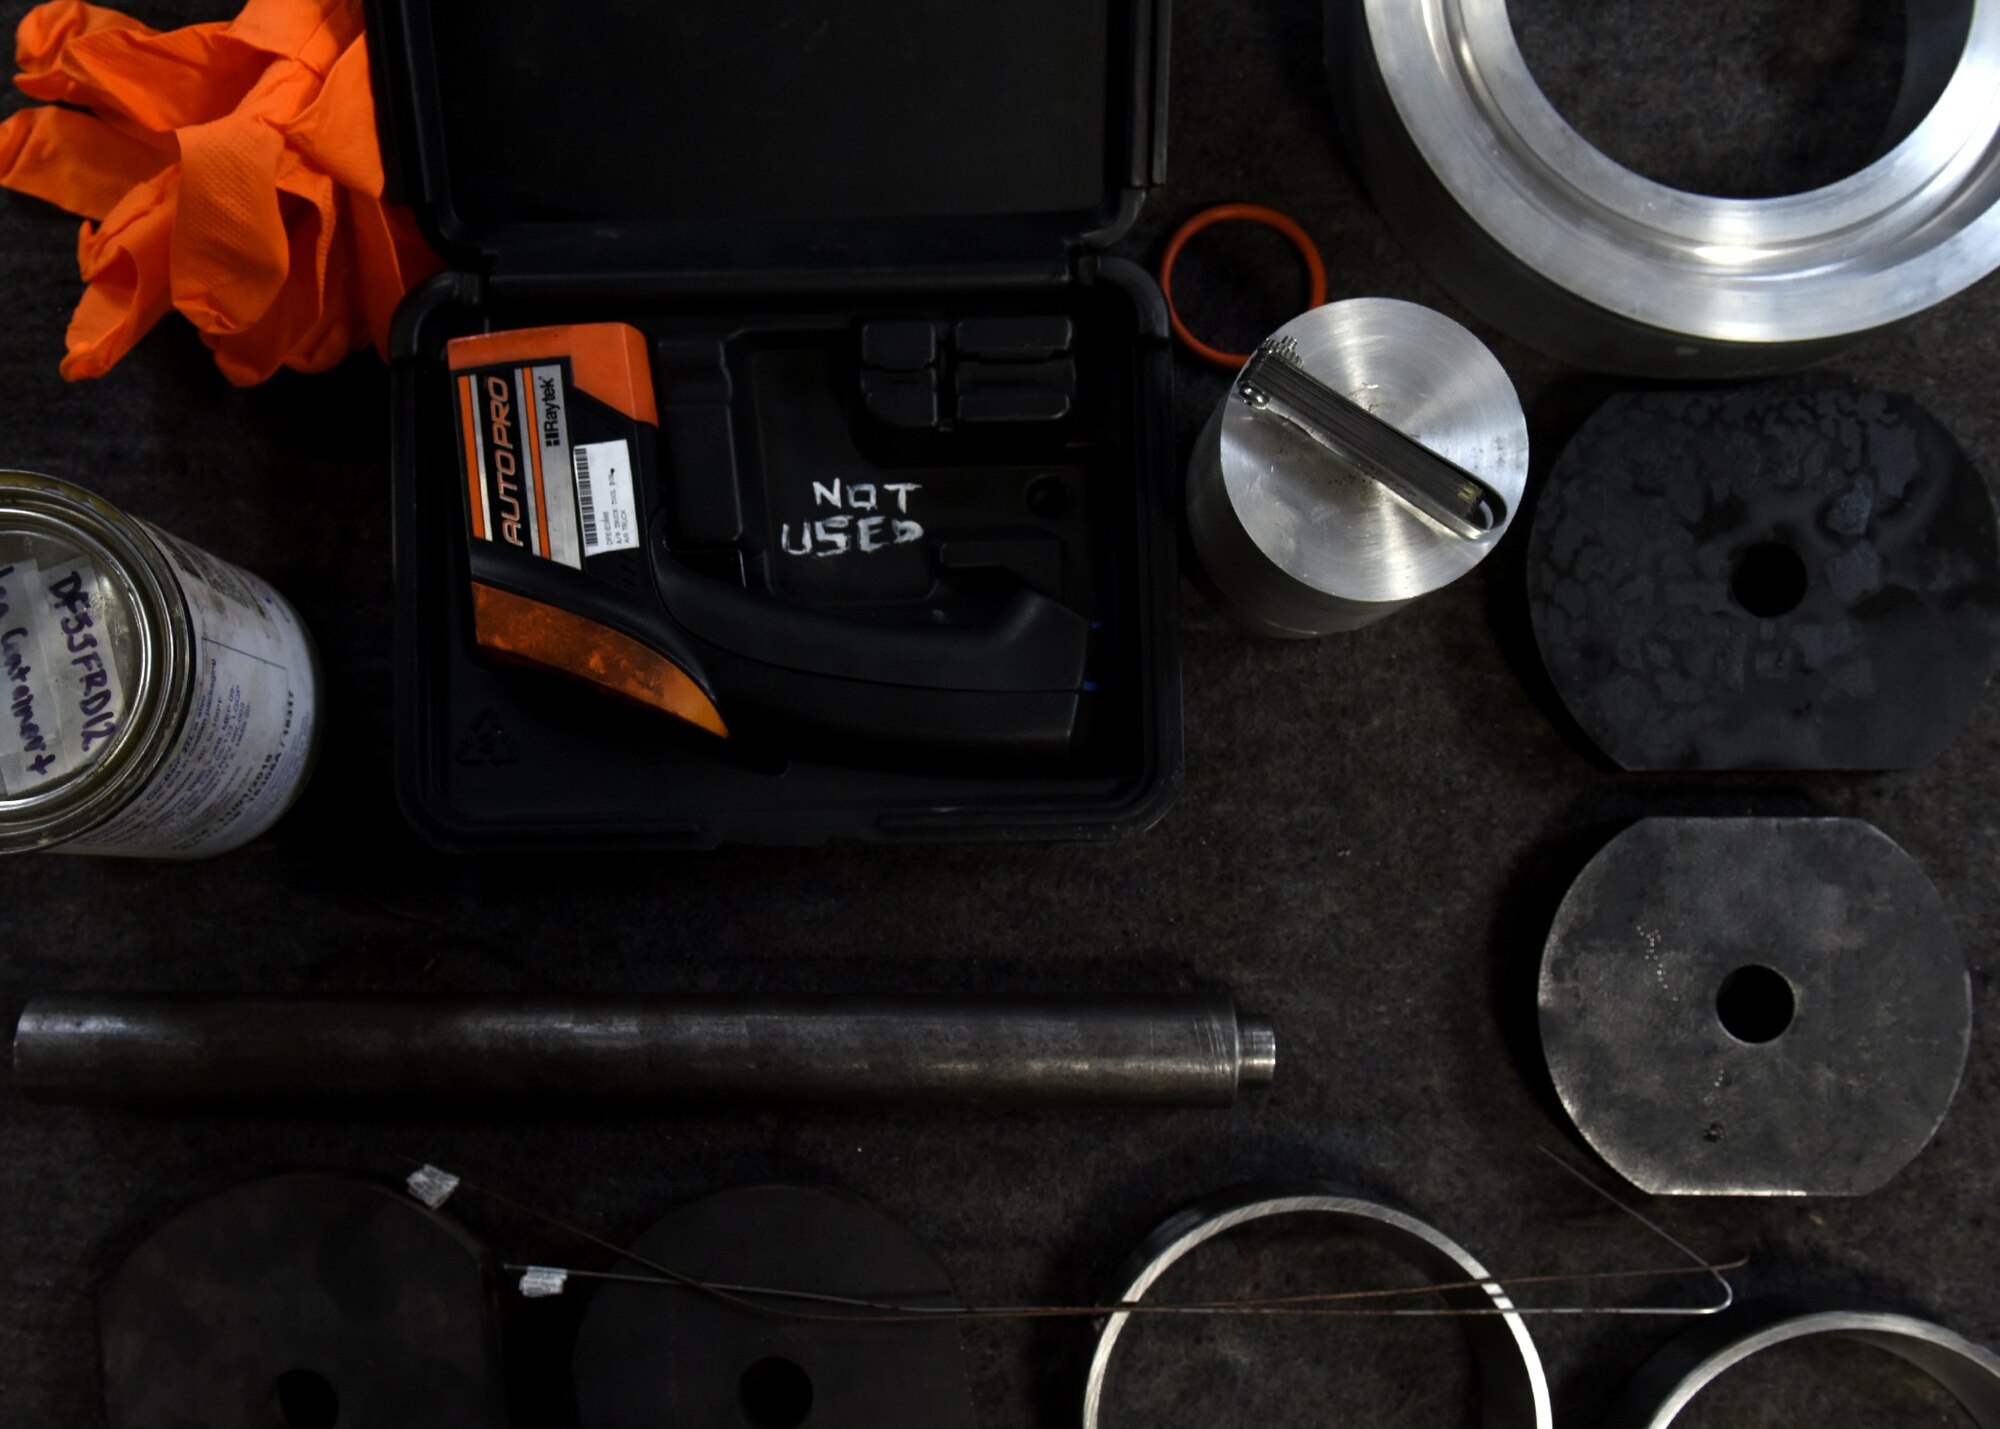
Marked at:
<point>1295,544</point>
<point>1514,1392</point>
<point>1755,1007</point>
<point>1273,382</point>
<point>1672,1379</point>
<point>1541,233</point>
<point>1181,1051</point>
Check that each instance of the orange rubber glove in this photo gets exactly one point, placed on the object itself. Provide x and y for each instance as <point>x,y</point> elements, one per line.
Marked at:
<point>229,170</point>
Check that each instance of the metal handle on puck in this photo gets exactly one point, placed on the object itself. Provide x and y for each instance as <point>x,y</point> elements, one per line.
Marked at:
<point>1274,382</point>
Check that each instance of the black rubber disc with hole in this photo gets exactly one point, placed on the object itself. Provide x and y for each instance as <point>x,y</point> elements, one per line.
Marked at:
<point>1776,577</point>
<point>648,1356</point>
<point>1755,1006</point>
<point>303,1302</point>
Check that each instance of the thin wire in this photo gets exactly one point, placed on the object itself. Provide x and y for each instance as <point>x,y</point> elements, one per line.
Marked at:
<point>1312,1305</point>
<point>1728,1290</point>
<point>1274,1305</point>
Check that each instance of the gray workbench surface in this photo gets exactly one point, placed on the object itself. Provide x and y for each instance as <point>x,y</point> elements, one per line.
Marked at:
<point>1373,834</point>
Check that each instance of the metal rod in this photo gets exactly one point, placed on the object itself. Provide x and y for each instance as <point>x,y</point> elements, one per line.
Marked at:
<point>1178,1051</point>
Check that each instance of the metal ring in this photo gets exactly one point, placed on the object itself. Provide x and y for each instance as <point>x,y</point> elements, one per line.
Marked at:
<point>1536,229</point>
<point>1514,1391</point>
<point>1698,1358</point>
<point>1236,213</point>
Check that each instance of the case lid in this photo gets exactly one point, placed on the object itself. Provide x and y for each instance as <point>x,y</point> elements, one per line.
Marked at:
<point>769,136</point>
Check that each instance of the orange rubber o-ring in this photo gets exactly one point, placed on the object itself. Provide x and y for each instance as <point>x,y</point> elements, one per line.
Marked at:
<point>1235,213</point>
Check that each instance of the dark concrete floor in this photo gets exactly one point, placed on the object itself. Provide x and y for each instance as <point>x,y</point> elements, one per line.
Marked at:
<point>1372,838</point>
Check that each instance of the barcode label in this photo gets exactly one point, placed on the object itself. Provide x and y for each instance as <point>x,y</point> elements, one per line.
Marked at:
<point>605,505</point>
<point>585,506</point>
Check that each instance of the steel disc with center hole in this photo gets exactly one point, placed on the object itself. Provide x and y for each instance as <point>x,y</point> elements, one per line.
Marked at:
<point>649,1355</point>
<point>1766,578</point>
<point>1755,1006</point>
<point>303,1302</point>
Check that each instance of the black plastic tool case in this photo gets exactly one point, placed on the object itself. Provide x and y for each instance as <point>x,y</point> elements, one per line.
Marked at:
<point>752,184</point>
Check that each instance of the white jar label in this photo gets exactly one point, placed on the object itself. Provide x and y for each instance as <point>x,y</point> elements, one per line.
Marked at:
<point>241,755</point>
<point>60,684</point>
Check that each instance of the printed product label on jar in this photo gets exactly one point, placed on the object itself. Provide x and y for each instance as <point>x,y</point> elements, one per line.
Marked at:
<point>241,753</point>
<point>61,686</point>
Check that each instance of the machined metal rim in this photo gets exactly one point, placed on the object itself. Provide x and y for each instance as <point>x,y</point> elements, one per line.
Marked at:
<point>161,635</point>
<point>1669,280</point>
<point>1680,1372</point>
<point>1514,1390</point>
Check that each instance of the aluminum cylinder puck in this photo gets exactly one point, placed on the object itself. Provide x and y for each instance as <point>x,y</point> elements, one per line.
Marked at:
<point>1755,1007</point>
<point>1294,542</point>
<point>1542,234</point>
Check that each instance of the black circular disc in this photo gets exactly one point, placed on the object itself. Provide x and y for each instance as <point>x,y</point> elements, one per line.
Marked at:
<point>1766,578</point>
<point>303,1302</point>
<point>649,1355</point>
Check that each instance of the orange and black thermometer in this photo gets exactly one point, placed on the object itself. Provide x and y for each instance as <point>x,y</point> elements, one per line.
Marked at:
<point>572,571</point>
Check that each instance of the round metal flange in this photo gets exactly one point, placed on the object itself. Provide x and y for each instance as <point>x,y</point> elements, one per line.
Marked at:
<point>1536,229</point>
<point>1687,1366</point>
<point>1785,577</point>
<point>1296,545</point>
<point>648,1355</point>
<point>1514,1392</point>
<point>303,1301</point>
<point>1755,1006</point>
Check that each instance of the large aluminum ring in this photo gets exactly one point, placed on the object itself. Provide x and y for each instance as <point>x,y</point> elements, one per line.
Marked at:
<point>1698,1358</point>
<point>1534,228</point>
<point>1514,1393</point>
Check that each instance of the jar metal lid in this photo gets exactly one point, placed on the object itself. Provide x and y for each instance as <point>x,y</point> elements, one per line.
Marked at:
<point>140,621</point>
